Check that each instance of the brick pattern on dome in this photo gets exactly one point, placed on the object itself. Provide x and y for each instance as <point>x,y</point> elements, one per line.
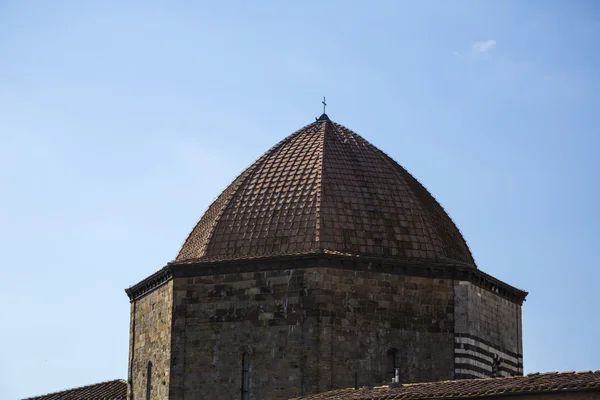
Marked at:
<point>111,390</point>
<point>366,207</point>
<point>385,210</point>
<point>271,208</point>
<point>197,241</point>
<point>325,187</point>
<point>471,388</point>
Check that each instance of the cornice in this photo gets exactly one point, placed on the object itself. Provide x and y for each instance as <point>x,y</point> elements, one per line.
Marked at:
<point>329,259</point>
<point>147,285</point>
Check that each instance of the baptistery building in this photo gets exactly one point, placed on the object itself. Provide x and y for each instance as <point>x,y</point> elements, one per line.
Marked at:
<point>323,265</point>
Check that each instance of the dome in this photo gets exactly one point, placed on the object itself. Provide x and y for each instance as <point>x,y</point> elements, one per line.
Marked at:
<point>325,188</point>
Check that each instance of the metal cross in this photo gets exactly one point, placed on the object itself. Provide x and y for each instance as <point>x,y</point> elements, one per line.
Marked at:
<point>324,104</point>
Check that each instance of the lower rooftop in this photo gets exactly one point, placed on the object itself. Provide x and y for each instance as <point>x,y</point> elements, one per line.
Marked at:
<point>533,384</point>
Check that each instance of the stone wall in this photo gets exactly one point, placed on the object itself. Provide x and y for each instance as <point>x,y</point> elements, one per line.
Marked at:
<point>219,317</point>
<point>150,341</point>
<point>365,314</point>
<point>312,329</point>
<point>307,331</point>
<point>487,327</point>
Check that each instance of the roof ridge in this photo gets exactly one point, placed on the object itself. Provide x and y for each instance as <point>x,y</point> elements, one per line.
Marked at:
<point>318,211</point>
<point>76,388</point>
<point>463,380</point>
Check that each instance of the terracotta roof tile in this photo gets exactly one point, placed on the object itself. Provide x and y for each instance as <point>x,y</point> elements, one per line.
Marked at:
<point>471,388</point>
<point>110,390</point>
<point>325,187</point>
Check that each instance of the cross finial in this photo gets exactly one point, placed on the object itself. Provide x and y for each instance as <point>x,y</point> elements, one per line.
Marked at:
<point>324,104</point>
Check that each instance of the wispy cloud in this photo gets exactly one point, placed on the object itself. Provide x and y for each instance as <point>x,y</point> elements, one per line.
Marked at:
<point>484,46</point>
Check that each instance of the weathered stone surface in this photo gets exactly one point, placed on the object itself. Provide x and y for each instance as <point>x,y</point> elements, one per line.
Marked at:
<point>150,341</point>
<point>366,314</point>
<point>307,330</point>
<point>487,326</point>
<point>219,317</point>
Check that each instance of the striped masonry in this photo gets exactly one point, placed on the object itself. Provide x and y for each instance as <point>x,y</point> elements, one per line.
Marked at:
<point>474,358</point>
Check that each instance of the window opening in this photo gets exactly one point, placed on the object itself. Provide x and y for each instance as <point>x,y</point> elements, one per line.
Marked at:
<point>392,368</point>
<point>149,380</point>
<point>245,376</point>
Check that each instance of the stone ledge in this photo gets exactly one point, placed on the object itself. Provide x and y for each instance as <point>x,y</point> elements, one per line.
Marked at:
<point>328,259</point>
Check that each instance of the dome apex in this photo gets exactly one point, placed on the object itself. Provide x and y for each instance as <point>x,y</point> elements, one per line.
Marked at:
<point>323,118</point>
<point>325,188</point>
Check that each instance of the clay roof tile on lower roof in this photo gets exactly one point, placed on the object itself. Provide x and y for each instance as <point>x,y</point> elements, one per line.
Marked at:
<point>324,187</point>
<point>471,388</point>
<point>110,390</point>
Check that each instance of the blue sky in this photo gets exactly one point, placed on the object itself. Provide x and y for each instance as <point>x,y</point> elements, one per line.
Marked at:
<point>120,121</point>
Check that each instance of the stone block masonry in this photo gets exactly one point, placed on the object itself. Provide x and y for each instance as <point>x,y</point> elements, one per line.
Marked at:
<point>307,330</point>
<point>220,317</point>
<point>488,336</point>
<point>150,342</point>
<point>367,314</point>
<point>311,327</point>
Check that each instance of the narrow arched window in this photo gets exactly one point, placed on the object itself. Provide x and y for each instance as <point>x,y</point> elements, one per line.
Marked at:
<point>245,376</point>
<point>149,380</point>
<point>391,365</point>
